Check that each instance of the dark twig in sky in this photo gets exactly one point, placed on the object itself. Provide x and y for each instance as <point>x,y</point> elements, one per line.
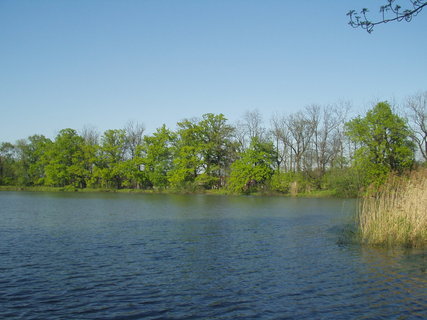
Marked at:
<point>390,12</point>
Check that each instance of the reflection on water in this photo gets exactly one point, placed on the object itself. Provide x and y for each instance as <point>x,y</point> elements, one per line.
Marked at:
<point>117,256</point>
<point>400,273</point>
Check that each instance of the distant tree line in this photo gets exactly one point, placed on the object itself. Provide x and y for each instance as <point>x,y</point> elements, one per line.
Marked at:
<point>317,148</point>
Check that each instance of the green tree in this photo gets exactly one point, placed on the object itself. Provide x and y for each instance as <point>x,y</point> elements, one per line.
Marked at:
<point>110,171</point>
<point>91,154</point>
<point>254,168</point>
<point>156,157</point>
<point>32,162</point>
<point>218,150</point>
<point>7,164</point>
<point>384,143</point>
<point>187,160</point>
<point>64,160</point>
<point>203,152</point>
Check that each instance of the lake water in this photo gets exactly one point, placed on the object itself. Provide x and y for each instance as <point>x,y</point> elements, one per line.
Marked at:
<point>121,256</point>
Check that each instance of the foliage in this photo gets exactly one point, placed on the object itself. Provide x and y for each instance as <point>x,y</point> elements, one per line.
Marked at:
<point>205,148</point>
<point>290,182</point>
<point>30,167</point>
<point>344,182</point>
<point>64,160</point>
<point>7,164</point>
<point>111,169</point>
<point>384,143</point>
<point>155,155</point>
<point>218,150</point>
<point>187,162</point>
<point>254,168</point>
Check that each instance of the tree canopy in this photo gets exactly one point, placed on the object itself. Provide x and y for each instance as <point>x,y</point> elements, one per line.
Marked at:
<point>254,167</point>
<point>384,142</point>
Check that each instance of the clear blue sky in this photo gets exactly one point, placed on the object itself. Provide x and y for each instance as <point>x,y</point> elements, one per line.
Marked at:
<point>102,63</point>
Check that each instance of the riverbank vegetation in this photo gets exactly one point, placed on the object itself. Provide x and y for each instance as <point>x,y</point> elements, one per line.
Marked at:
<point>396,213</point>
<point>316,150</point>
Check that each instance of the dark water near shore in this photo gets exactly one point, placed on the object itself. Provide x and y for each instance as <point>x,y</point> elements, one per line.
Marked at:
<point>118,256</point>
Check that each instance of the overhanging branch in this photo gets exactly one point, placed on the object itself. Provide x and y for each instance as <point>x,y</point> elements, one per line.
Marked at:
<point>390,12</point>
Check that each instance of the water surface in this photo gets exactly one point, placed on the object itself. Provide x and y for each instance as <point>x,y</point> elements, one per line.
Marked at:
<point>119,256</point>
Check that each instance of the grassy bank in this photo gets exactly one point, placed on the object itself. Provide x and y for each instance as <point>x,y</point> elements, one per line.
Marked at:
<point>94,190</point>
<point>312,194</point>
<point>64,189</point>
<point>32,189</point>
<point>396,215</point>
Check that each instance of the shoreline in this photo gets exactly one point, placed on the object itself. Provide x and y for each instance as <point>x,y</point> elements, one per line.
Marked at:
<point>317,194</point>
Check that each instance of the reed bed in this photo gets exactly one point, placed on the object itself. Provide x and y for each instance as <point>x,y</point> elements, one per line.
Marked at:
<point>396,214</point>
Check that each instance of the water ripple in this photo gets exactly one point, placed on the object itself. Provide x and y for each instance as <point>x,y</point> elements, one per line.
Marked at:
<point>282,263</point>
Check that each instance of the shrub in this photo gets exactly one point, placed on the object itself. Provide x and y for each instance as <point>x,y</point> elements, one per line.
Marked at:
<point>290,183</point>
<point>345,182</point>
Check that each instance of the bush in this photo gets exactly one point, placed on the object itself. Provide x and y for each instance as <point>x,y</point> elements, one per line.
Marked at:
<point>206,181</point>
<point>345,182</point>
<point>290,183</point>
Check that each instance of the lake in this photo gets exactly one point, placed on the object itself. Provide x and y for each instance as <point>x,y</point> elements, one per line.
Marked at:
<point>148,256</point>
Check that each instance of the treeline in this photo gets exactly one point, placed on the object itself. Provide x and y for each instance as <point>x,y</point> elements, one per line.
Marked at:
<point>317,148</point>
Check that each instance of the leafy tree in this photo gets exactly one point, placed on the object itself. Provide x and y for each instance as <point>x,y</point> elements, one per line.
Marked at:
<point>217,149</point>
<point>7,164</point>
<point>91,153</point>
<point>203,152</point>
<point>156,157</point>
<point>109,171</point>
<point>187,161</point>
<point>384,143</point>
<point>254,168</point>
<point>32,162</point>
<point>64,160</point>
<point>391,11</point>
<point>131,174</point>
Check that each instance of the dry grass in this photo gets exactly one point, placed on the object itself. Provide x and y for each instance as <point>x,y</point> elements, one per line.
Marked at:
<point>396,215</point>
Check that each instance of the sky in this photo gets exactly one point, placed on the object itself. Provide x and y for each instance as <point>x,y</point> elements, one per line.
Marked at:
<point>77,63</point>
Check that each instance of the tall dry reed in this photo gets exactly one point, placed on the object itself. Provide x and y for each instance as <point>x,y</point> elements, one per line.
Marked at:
<point>396,215</point>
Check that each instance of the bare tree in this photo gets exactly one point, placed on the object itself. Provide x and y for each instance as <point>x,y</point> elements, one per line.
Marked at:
<point>327,123</point>
<point>90,135</point>
<point>417,114</point>
<point>134,136</point>
<point>253,124</point>
<point>391,11</point>
<point>281,139</point>
<point>240,135</point>
<point>313,114</point>
<point>249,127</point>
<point>301,131</point>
